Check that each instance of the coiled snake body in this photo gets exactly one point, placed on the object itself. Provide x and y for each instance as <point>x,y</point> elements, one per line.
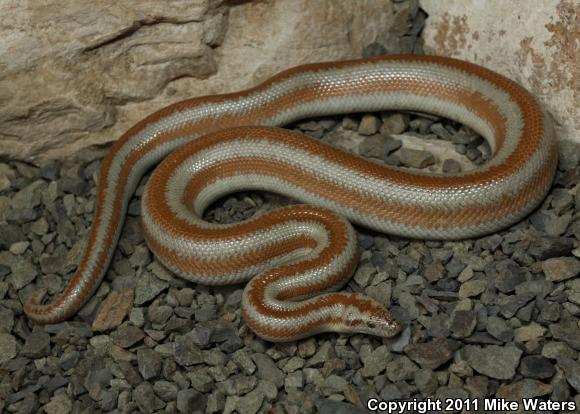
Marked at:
<point>295,258</point>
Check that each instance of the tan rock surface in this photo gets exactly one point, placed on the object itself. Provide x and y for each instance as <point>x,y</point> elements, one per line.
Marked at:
<point>534,43</point>
<point>73,75</point>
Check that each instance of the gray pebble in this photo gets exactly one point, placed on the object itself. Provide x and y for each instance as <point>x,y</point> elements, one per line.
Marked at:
<point>432,354</point>
<point>462,323</point>
<point>127,335</point>
<point>149,363</point>
<point>8,347</point>
<point>416,158</point>
<point>23,272</point>
<point>400,369</point>
<point>567,330</point>
<point>250,403</point>
<point>536,366</point>
<point>349,123</point>
<point>146,399</point>
<point>69,360</point>
<point>376,362</point>
<point>569,154</point>
<point>369,125</point>
<point>558,269</point>
<point>37,344</point>
<point>216,402</point>
<point>499,329</point>
<point>451,166</point>
<point>333,384</point>
<point>186,352</point>
<point>395,123</point>
<point>329,406</point>
<point>572,371</point>
<point>547,247</point>
<point>510,304</point>
<point>267,369</point>
<point>493,361</point>
<point>148,287</point>
<point>507,275</point>
<point>189,400</point>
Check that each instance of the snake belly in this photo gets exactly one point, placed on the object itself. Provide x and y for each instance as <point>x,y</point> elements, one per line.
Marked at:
<point>297,258</point>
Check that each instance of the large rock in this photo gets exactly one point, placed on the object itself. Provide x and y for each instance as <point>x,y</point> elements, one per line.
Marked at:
<point>73,76</point>
<point>531,45</point>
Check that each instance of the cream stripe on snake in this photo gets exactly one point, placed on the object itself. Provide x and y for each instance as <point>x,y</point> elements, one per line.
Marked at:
<point>301,254</point>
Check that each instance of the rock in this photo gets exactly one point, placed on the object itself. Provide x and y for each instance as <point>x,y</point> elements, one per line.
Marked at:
<point>19,248</point>
<point>243,360</point>
<point>127,335</point>
<point>186,352</point>
<point>333,384</point>
<point>325,352</point>
<point>558,269</point>
<point>23,272</point>
<point>572,371</point>
<point>426,381</point>
<point>337,407</point>
<point>113,310</point>
<point>556,350</point>
<point>175,51</point>
<point>349,123</point>
<point>149,363</point>
<point>8,349</point>
<point>507,275</point>
<point>451,166</point>
<point>494,361</point>
<point>477,386</point>
<point>37,344</point>
<point>145,398</point>
<point>526,388</point>
<point>550,311</point>
<point>547,247</point>
<point>567,330</point>
<point>59,404</point>
<point>159,315</point>
<point>416,158</point>
<point>148,287</point>
<point>550,223</point>
<point>399,342</point>
<point>369,125</point>
<point>10,234</point>
<point>267,370</point>
<point>431,354</point>
<point>499,329</point>
<point>510,304</point>
<point>69,360</point>
<point>395,123</point>
<point>462,323</point>
<point>251,402</point>
<point>530,332</point>
<point>189,400</point>
<point>215,402</point>
<point>376,362</point>
<point>400,369</point>
<point>537,367</point>
<point>165,390</point>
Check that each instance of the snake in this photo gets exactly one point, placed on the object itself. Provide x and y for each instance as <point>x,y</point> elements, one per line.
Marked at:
<point>296,259</point>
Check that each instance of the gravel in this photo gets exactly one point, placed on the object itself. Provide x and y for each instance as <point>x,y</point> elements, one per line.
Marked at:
<point>494,316</point>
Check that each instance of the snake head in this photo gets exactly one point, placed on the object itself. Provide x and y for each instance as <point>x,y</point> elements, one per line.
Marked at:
<point>371,318</point>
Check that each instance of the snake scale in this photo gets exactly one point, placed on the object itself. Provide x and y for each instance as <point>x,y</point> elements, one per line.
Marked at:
<point>295,259</point>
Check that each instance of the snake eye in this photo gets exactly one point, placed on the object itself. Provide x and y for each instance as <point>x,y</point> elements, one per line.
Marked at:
<point>372,325</point>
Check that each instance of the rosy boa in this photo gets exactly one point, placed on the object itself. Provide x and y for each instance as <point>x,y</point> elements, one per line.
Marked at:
<point>296,257</point>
